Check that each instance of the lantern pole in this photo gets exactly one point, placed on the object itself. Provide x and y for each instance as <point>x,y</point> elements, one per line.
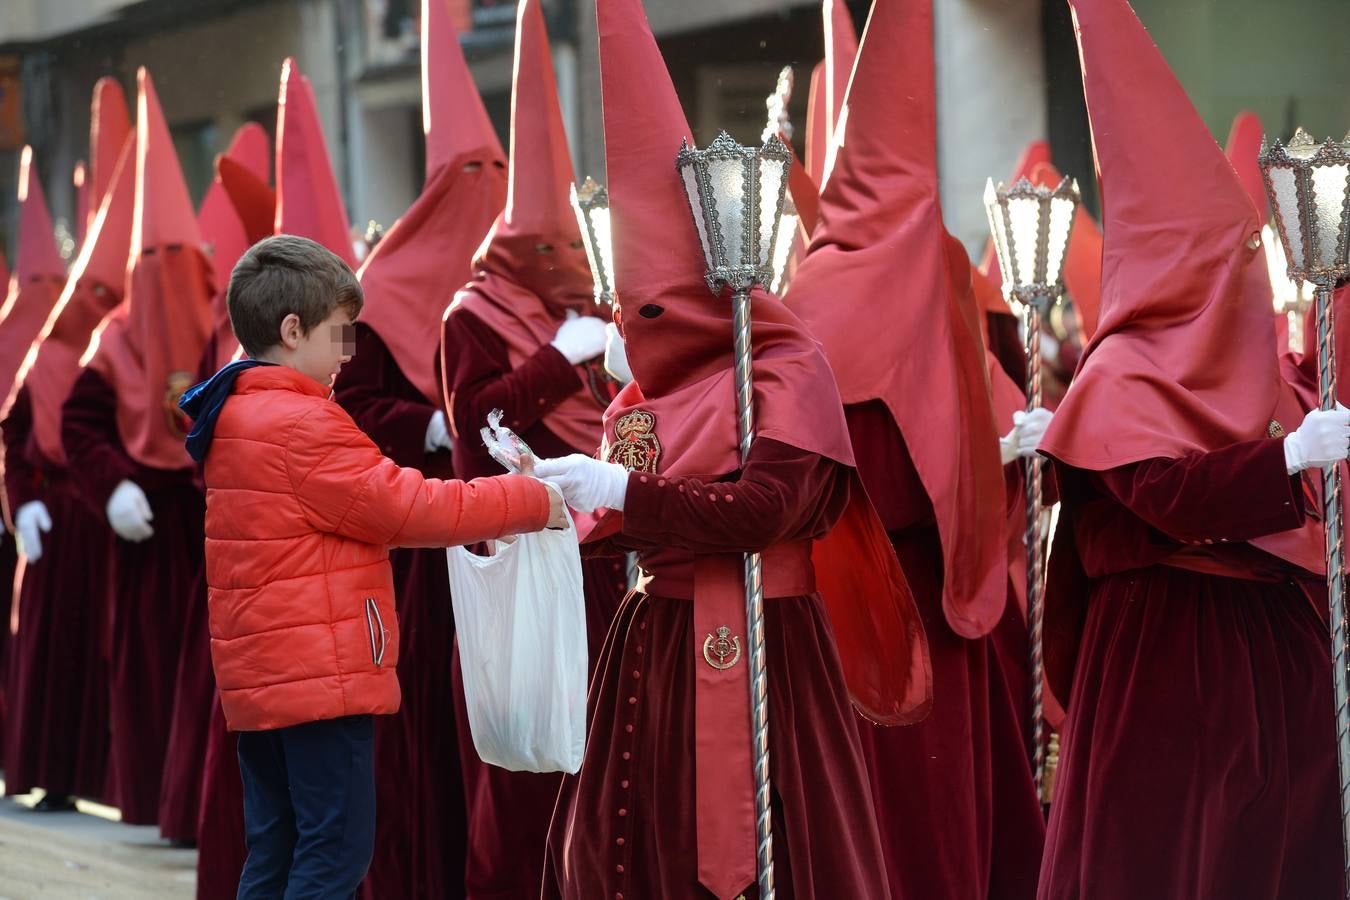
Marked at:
<point>740,260</point>
<point>1031,268</point>
<point>1304,205</point>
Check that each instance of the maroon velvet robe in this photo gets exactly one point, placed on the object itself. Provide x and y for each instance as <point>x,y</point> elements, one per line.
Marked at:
<point>57,683</point>
<point>420,829</point>
<point>509,812</point>
<point>625,824</point>
<point>1198,757</point>
<point>153,583</point>
<point>956,805</point>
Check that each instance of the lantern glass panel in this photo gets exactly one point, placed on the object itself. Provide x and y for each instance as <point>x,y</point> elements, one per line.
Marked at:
<point>1061,221</point>
<point>1329,185</point>
<point>1025,215</point>
<point>787,233</point>
<point>996,227</point>
<point>1282,183</point>
<point>689,174</point>
<point>727,176</point>
<point>771,172</point>
<point>604,243</point>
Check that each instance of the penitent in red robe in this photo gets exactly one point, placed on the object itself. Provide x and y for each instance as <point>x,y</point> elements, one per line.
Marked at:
<point>1198,758</point>
<point>153,583</point>
<point>57,680</point>
<point>956,806</point>
<point>509,812</point>
<point>626,824</point>
<point>419,821</point>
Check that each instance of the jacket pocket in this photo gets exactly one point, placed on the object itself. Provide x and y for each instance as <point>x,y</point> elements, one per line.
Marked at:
<point>375,629</point>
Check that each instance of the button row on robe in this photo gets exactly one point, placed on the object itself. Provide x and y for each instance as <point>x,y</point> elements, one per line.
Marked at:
<point>625,783</point>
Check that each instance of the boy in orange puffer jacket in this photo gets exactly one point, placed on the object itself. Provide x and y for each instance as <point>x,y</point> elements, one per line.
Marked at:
<point>301,509</point>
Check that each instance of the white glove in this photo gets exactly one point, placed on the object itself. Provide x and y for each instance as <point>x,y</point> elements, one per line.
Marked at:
<point>1031,428</point>
<point>129,512</point>
<point>587,484</point>
<point>438,435</point>
<point>580,338</point>
<point>616,355</point>
<point>1007,445</point>
<point>1322,439</point>
<point>32,519</point>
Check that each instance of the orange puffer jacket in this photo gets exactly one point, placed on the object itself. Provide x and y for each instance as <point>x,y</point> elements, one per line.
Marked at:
<point>301,509</point>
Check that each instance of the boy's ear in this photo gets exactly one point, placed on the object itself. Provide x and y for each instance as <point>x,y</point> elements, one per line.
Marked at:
<point>290,331</point>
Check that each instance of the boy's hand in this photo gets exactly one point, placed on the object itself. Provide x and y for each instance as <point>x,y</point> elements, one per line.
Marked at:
<point>557,509</point>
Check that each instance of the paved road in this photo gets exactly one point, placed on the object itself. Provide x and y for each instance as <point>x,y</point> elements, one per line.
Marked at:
<point>87,855</point>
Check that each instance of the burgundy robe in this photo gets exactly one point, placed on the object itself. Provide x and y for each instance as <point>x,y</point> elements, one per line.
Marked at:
<point>625,825</point>
<point>153,585</point>
<point>1198,757</point>
<point>956,805</point>
<point>420,829</point>
<point>57,678</point>
<point>509,812</point>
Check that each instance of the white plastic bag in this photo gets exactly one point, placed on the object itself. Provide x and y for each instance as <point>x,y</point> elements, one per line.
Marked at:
<point>520,618</point>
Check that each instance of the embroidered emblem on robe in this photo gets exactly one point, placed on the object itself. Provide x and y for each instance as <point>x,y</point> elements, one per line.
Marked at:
<point>636,446</point>
<point>723,651</point>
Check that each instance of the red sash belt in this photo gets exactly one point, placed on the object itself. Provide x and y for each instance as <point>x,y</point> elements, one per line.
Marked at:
<point>723,761</point>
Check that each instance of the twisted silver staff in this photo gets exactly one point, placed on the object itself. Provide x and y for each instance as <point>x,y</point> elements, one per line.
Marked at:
<point>1335,555</point>
<point>754,608</point>
<point>1035,561</point>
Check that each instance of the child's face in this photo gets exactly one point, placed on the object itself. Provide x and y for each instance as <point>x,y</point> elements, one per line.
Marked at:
<point>322,353</point>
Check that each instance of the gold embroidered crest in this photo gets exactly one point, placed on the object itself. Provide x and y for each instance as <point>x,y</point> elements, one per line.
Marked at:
<point>636,446</point>
<point>178,422</point>
<point>1275,429</point>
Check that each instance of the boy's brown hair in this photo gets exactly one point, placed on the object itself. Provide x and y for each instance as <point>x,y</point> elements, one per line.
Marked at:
<point>282,275</point>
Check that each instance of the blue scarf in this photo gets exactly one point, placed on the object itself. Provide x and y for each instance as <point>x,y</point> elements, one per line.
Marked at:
<point>203,402</point>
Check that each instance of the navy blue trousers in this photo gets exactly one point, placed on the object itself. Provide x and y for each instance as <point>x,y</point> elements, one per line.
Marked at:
<point>309,809</point>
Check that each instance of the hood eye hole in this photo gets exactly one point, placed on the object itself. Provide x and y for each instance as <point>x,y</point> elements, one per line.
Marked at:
<point>543,248</point>
<point>577,245</point>
<point>651,311</point>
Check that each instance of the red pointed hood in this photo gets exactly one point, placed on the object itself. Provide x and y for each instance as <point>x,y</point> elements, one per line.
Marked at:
<point>1183,340</point>
<point>308,201</point>
<point>1244,145</point>
<point>39,274</point>
<point>538,213</point>
<point>411,275</point>
<point>93,290</point>
<point>38,255</point>
<point>841,52</point>
<point>253,199</point>
<point>79,179</point>
<point>454,119</point>
<point>151,348</point>
<point>679,342</point>
<point>1083,261</point>
<point>883,277</point>
<point>223,229</point>
<point>817,124</point>
<point>109,128</point>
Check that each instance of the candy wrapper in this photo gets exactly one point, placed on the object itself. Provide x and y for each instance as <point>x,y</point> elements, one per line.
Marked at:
<point>503,444</point>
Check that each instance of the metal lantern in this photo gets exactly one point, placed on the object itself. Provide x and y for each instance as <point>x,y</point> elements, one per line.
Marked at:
<point>1308,185</point>
<point>736,195</point>
<point>1290,298</point>
<point>1309,189</point>
<point>1031,226</point>
<point>780,123</point>
<point>591,204</point>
